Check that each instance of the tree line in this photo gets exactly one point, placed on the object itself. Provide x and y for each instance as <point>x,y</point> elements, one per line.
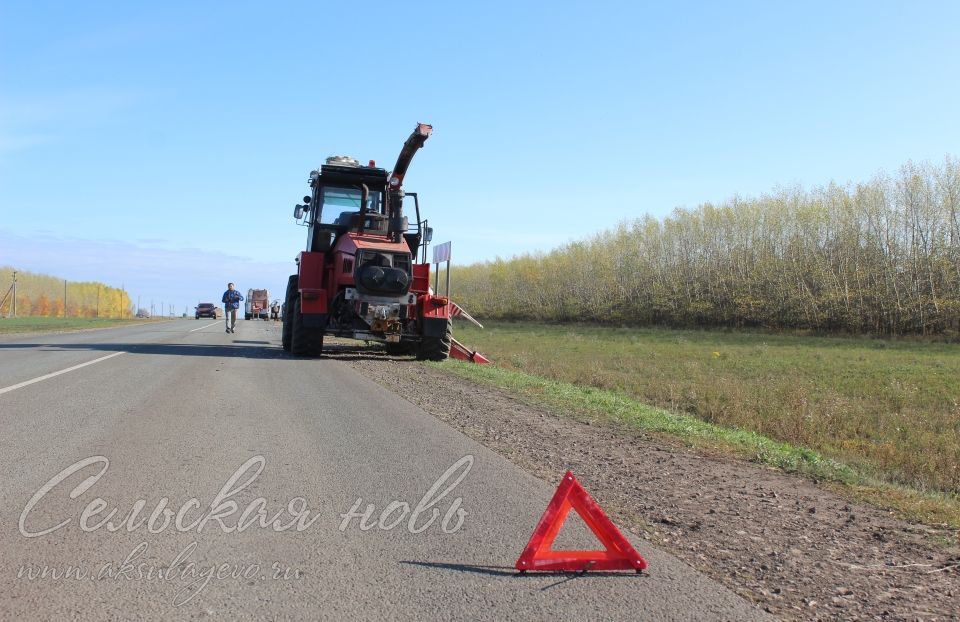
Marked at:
<point>41,295</point>
<point>881,257</point>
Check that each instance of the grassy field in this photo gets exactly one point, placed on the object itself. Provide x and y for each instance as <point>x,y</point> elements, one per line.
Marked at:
<point>56,324</point>
<point>890,410</point>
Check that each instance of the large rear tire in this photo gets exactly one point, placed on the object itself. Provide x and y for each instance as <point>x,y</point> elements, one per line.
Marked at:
<point>436,348</point>
<point>287,331</point>
<point>304,340</point>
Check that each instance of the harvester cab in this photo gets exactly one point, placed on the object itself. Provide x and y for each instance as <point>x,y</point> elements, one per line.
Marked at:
<point>359,276</point>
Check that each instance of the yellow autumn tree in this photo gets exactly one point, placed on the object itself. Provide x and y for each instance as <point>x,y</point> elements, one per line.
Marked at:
<point>880,257</point>
<point>43,306</point>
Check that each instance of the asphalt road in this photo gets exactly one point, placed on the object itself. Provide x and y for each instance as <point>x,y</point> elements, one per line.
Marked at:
<point>145,522</point>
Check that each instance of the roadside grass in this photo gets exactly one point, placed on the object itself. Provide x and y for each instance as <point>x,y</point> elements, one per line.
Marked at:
<point>880,417</point>
<point>59,324</point>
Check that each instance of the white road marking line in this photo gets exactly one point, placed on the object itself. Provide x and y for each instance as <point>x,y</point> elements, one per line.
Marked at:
<point>202,327</point>
<point>57,373</point>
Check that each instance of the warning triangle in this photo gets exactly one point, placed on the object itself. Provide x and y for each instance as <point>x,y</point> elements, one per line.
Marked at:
<point>538,555</point>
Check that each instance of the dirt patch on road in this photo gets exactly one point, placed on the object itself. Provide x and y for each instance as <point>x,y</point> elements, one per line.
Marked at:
<point>797,548</point>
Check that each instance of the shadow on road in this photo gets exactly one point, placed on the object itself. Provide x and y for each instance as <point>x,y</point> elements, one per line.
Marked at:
<point>175,349</point>
<point>360,352</point>
<point>510,571</point>
<point>498,571</point>
<point>238,348</point>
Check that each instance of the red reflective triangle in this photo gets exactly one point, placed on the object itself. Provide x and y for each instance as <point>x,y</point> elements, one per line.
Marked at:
<point>538,554</point>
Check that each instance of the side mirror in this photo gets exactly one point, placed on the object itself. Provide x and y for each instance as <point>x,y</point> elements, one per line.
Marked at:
<point>428,234</point>
<point>306,199</point>
<point>298,212</point>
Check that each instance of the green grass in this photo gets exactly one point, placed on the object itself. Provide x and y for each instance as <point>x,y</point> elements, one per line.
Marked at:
<point>607,406</point>
<point>889,410</point>
<point>57,324</point>
<point>614,408</point>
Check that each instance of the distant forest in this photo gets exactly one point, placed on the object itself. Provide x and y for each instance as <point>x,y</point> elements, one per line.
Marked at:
<point>42,295</point>
<point>881,257</point>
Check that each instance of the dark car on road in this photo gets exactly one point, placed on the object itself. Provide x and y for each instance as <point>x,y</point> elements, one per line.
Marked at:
<point>206,309</point>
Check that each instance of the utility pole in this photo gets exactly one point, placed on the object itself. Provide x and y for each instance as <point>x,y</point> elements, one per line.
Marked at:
<point>138,303</point>
<point>64,298</point>
<point>14,293</point>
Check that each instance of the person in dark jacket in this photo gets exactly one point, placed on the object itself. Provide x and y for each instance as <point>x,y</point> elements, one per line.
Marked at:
<point>231,302</point>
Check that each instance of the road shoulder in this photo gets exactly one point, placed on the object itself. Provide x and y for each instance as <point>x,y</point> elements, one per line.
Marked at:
<point>794,546</point>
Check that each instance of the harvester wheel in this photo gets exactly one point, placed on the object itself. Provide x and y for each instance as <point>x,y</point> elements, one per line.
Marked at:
<point>436,348</point>
<point>287,331</point>
<point>304,341</point>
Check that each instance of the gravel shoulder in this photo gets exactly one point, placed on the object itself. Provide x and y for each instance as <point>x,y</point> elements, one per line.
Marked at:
<point>796,547</point>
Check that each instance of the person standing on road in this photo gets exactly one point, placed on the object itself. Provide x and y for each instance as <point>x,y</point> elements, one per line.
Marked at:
<point>231,302</point>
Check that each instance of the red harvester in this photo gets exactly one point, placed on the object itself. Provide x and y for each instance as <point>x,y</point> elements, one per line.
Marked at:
<point>358,277</point>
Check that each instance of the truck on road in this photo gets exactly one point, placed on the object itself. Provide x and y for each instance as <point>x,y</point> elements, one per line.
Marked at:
<point>257,304</point>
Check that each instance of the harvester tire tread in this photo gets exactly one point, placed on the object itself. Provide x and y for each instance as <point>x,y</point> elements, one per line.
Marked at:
<point>304,341</point>
<point>287,330</point>
<point>436,348</point>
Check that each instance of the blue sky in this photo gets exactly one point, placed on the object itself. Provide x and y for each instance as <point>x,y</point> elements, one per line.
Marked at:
<point>162,146</point>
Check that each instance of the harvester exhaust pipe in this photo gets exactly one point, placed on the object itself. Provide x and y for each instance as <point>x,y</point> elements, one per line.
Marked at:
<point>364,196</point>
<point>395,201</point>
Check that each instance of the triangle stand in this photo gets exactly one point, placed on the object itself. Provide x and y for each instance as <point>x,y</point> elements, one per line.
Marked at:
<point>619,554</point>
